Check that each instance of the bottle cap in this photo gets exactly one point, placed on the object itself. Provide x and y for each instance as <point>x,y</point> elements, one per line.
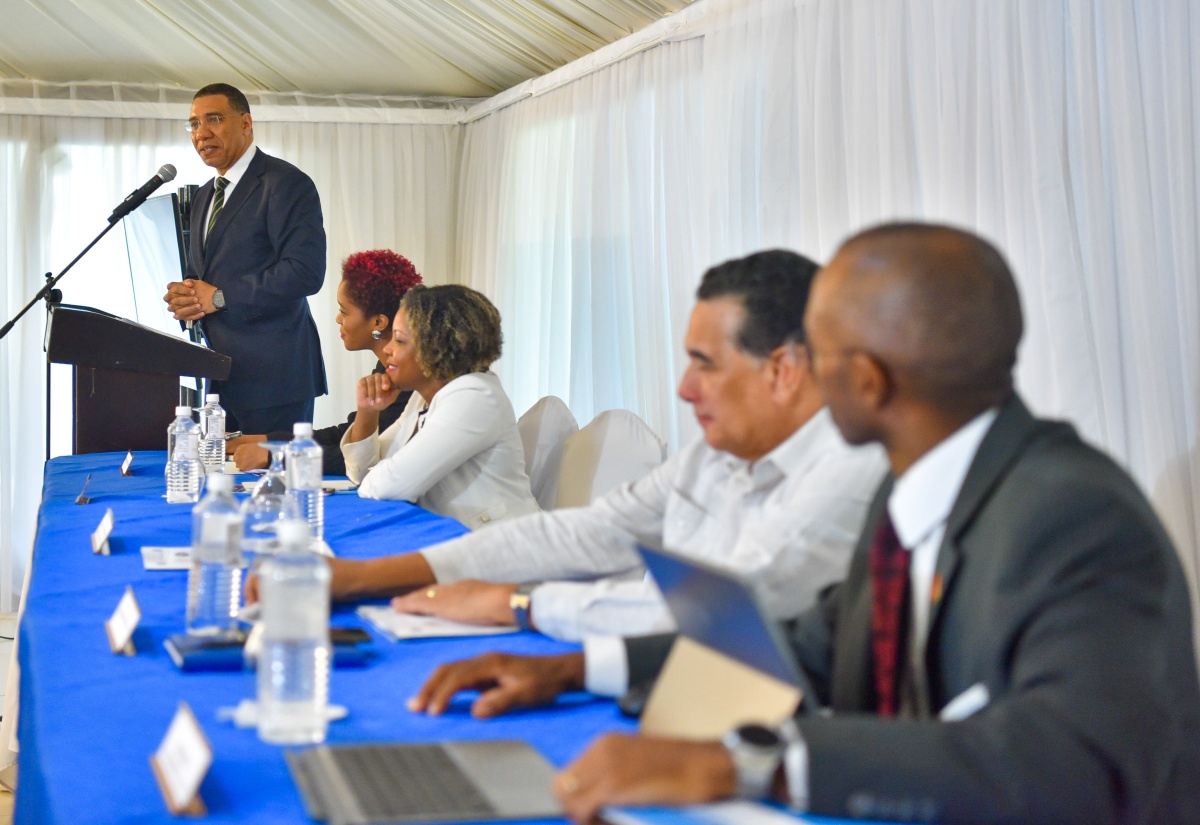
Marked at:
<point>212,398</point>
<point>302,429</point>
<point>219,483</point>
<point>293,533</point>
<point>183,409</point>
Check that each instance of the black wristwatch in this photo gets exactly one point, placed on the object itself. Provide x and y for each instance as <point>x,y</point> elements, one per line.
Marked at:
<point>757,752</point>
<point>521,601</point>
<point>219,299</point>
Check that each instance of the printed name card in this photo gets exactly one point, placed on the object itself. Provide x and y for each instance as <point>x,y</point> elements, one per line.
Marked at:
<point>127,463</point>
<point>100,537</point>
<point>181,763</point>
<point>122,623</point>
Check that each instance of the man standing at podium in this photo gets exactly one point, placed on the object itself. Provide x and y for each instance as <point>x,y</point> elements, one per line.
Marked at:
<point>257,251</point>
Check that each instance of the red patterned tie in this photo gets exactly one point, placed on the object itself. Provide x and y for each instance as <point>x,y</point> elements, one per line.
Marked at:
<point>889,587</point>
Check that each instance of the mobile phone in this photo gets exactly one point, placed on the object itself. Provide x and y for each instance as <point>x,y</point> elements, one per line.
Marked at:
<point>348,635</point>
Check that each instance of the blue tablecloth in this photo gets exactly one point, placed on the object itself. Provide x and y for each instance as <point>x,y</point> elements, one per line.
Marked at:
<point>90,719</point>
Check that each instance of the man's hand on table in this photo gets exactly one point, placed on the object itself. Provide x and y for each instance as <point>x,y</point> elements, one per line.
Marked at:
<point>505,682</point>
<point>250,456</point>
<point>619,769</point>
<point>468,601</point>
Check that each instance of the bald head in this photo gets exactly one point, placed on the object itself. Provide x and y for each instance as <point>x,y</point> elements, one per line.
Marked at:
<point>936,305</point>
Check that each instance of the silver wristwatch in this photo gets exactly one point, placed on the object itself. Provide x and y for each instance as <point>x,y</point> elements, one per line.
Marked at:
<point>219,299</point>
<point>757,752</point>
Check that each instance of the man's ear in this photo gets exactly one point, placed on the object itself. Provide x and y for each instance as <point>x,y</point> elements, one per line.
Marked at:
<point>788,365</point>
<point>871,379</point>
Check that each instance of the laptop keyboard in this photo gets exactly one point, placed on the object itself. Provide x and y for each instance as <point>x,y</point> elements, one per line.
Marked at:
<point>395,781</point>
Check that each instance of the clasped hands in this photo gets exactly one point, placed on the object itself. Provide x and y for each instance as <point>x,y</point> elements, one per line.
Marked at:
<point>190,300</point>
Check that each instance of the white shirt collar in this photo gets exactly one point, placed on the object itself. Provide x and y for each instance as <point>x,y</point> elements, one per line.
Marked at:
<point>923,497</point>
<point>234,173</point>
<point>795,454</point>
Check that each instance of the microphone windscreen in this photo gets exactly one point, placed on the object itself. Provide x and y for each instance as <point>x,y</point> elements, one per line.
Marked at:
<point>166,172</point>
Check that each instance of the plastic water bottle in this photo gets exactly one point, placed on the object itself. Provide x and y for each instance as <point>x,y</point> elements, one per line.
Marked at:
<point>215,578</point>
<point>183,470</point>
<point>212,434</point>
<point>305,470</point>
<point>293,665</point>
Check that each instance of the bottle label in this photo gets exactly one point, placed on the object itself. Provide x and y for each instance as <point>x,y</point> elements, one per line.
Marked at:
<point>304,473</point>
<point>187,446</point>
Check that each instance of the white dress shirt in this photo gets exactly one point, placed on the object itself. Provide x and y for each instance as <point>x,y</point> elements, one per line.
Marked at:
<point>464,460</point>
<point>787,522</point>
<point>233,174</point>
<point>919,504</point>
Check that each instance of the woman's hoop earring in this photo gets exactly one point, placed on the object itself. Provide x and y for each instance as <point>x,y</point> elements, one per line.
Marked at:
<point>376,334</point>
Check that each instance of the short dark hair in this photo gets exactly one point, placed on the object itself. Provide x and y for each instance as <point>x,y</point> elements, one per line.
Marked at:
<point>376,280</point>
<point>455,329</point>
<point>234,95</point>
<point>773,288</point>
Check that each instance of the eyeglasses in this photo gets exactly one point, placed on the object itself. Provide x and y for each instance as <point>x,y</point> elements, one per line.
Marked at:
<point>211,121</point>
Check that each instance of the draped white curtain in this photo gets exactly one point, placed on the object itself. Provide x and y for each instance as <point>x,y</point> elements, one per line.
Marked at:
<point>1065,130</point>
<point>380,185</point>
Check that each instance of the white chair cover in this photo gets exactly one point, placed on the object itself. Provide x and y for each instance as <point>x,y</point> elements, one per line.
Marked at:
<point>544,428</point>
<point>615,448</point>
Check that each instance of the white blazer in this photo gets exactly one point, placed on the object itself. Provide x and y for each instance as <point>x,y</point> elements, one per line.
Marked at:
<point>465,461</point>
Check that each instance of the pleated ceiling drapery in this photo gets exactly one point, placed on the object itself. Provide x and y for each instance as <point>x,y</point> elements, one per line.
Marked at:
<point>587,203</point>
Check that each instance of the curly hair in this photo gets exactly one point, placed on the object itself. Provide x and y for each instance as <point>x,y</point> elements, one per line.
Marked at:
<point>377,280</point>
<point>455,329</point>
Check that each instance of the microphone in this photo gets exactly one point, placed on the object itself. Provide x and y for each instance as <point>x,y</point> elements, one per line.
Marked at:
<point>138,196</point>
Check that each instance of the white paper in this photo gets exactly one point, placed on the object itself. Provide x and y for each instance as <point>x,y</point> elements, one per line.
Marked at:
<point>166,558</point>
<point>184,757</point>
<point>123,621</point>
<point>397,626</point>
<point>103,531</point>
<point>127,463</point>
<point>717,813</point>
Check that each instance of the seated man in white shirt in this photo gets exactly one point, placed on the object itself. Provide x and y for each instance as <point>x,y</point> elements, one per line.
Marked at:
<point>1013,641</point>
<point>770,489</point>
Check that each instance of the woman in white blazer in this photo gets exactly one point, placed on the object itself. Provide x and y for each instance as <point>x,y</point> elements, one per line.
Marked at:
<point>455,450</point>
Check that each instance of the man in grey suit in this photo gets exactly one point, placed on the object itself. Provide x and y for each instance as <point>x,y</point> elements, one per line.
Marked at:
<point>256,252</point>
<point>1013,642</point>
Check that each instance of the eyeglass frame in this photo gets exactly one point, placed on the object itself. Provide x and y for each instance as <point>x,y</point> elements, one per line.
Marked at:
<point>212,120</point>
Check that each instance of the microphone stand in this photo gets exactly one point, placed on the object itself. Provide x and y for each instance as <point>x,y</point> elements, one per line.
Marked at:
<point>52,298</point>
<point>44,292</point>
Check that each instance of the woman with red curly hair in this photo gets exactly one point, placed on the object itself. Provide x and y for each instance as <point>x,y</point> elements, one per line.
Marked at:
<point>368,296</point>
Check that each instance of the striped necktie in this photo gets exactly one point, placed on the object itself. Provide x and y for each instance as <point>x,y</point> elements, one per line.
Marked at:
<point>218,202</point>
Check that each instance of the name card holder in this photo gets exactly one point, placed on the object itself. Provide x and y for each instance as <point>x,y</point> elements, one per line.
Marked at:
<point>181,763</point>
<point>103,531</point>
<point>127,463</point>
<point>122,623</point>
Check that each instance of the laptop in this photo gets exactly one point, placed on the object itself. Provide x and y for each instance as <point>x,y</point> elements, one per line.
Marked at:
<point>722,611</point>
<point>445,782</point>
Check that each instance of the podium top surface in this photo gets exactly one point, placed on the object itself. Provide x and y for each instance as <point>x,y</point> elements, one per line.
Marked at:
<point>88,337</point>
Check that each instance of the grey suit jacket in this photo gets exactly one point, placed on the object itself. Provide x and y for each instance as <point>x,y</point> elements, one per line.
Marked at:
<point>266,253</point>
<point>1063,596</point>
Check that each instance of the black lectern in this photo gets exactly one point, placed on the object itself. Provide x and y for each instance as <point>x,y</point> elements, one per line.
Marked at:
<point>126,377</point>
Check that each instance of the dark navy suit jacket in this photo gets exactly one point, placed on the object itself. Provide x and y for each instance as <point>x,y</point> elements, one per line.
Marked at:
<point>267,255</point>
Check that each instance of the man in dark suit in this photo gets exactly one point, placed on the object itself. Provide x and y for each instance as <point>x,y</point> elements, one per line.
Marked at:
<point>256,252</point>
<point>1013,642</point>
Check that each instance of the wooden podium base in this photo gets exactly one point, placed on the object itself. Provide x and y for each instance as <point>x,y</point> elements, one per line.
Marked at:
<point>117,410</point>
